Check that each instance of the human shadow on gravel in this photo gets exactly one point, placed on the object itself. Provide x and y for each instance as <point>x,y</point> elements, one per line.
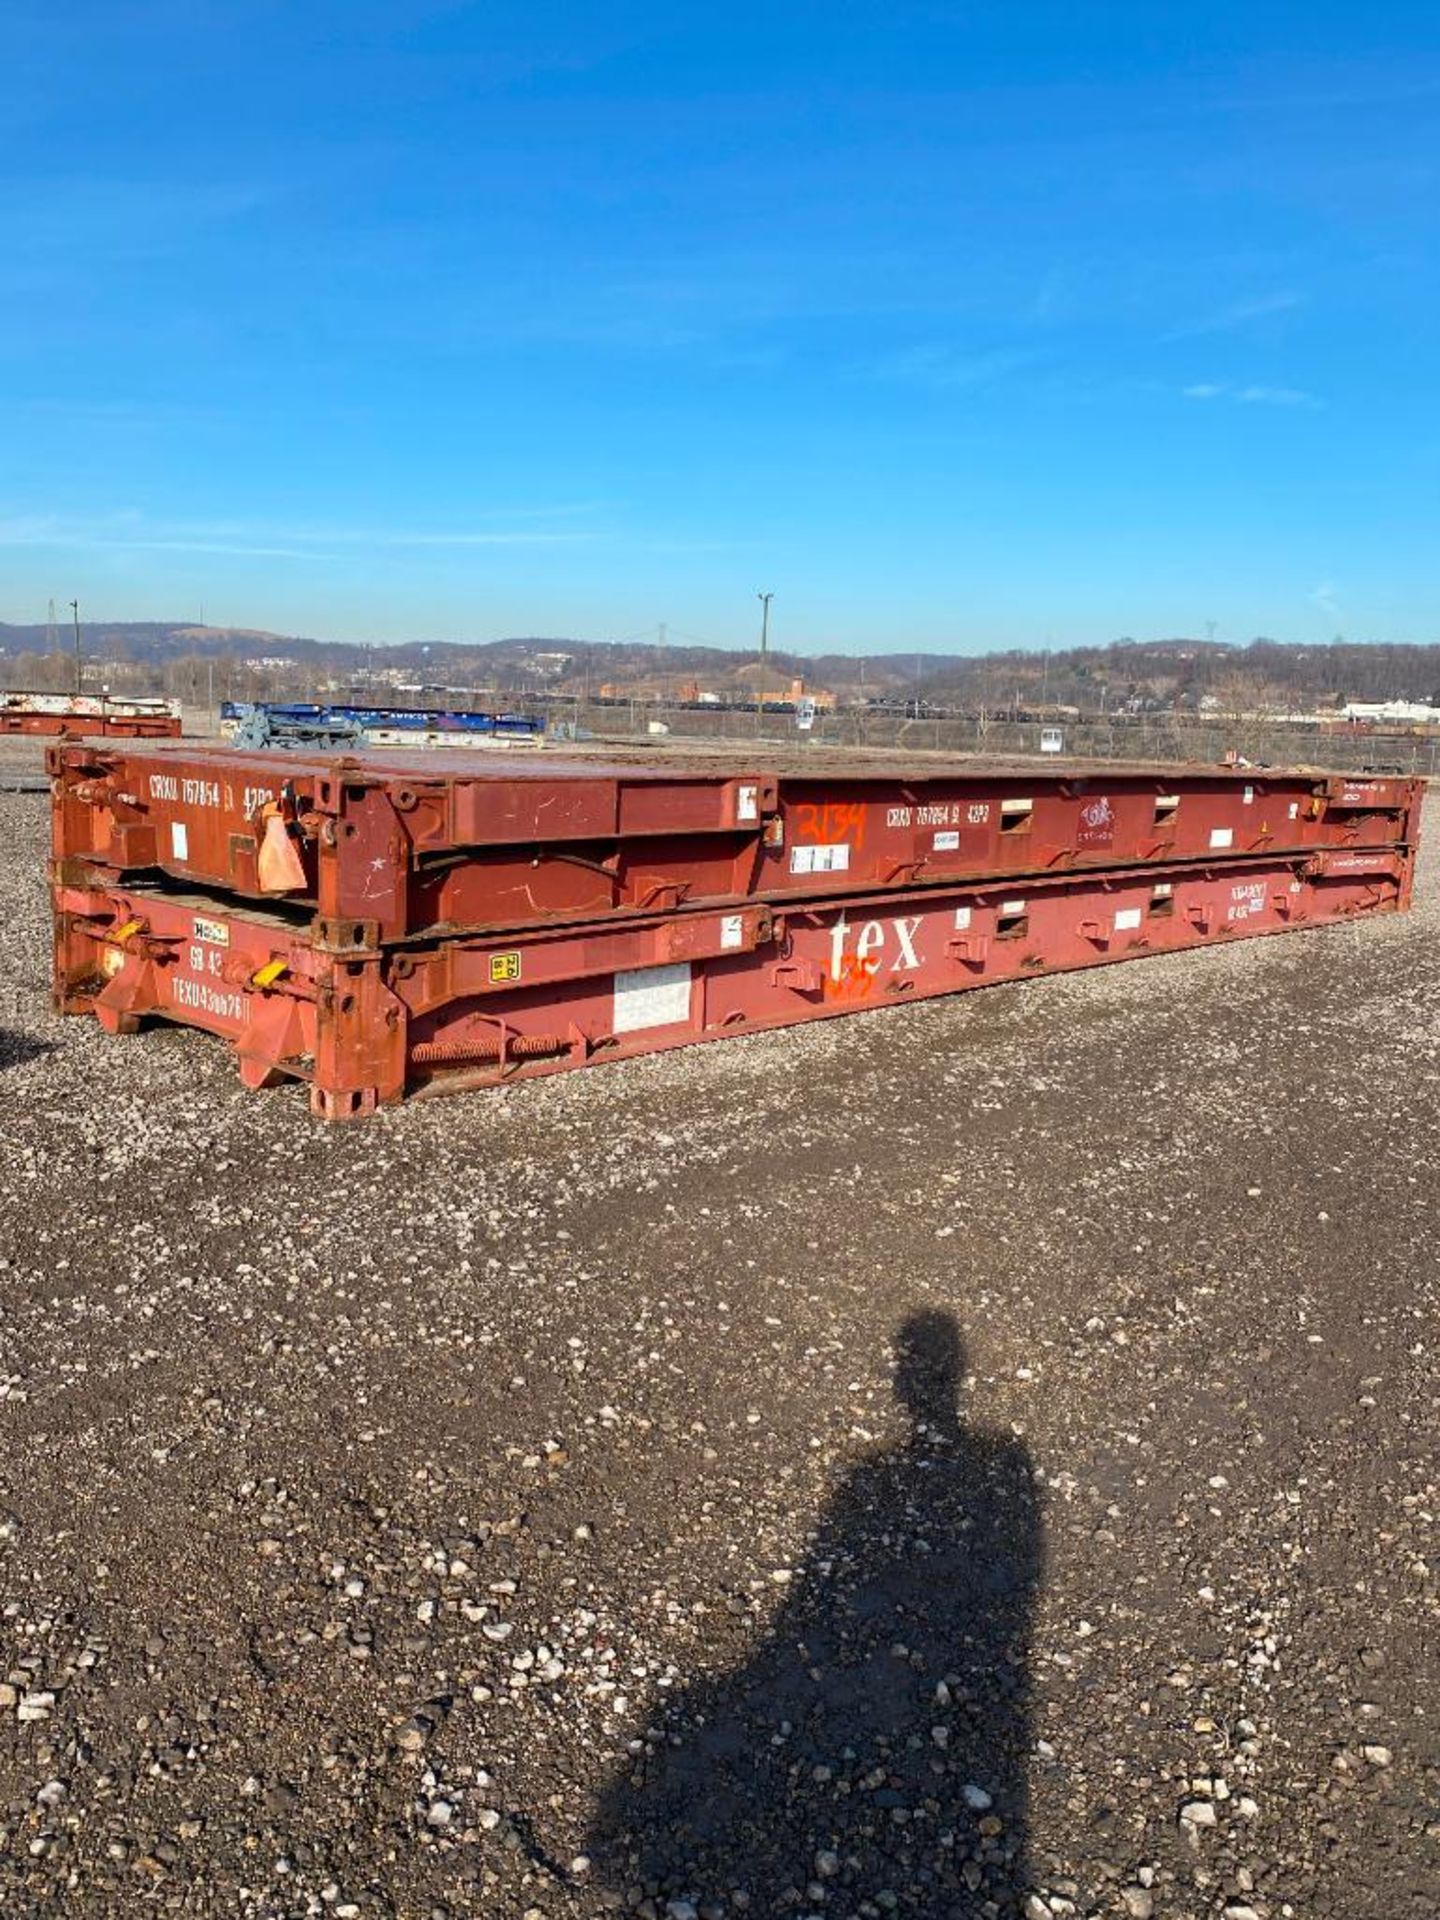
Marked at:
<point>18,1049</point>
<point>874,1749</point>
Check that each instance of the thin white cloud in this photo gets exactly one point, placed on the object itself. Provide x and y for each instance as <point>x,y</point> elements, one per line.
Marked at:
<point>1049,295</point>
<point>403,537</point>
<point>1276,397</point>
<point>953,368</point>
<point>1324,598</point>
<point>186,546</point>
<point>1250,396</point>
<point>131,532</point>
<point>1239,313</point>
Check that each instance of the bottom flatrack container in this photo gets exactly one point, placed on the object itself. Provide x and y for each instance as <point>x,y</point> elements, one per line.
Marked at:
<point>364,1026</point>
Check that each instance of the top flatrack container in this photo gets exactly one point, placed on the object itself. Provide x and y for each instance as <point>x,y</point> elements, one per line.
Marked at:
<point>393,847</point>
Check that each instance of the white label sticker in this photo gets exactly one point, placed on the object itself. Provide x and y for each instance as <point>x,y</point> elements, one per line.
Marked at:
<point>1162,890</point>
<point>1127,918</point>
<point>732,931</point>
<point>962,919</point>
<point>747,803</point>
<point>1294,809</point>
<point>947,843</point>
<point>1009,908</point>
<point>652,997</point>
<point>215,931</point>
<point>179,841</point>
<point>1221,837</point>
<point>1249,795</point>
<point>820,859</point>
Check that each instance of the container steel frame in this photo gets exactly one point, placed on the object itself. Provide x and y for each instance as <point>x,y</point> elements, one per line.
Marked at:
<point>395,850</point>
<point>365,1026</point>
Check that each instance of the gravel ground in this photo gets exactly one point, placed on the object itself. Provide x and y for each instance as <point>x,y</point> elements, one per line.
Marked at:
<point>974,1459</point>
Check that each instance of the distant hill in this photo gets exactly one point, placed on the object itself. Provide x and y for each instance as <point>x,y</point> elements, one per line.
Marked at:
<point>520,659</point>
<point>185,656</point>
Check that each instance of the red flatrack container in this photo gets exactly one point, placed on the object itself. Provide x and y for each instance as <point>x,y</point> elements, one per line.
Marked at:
<point>394,848</point>
<point>365,1026</point>
<point>85,726</point>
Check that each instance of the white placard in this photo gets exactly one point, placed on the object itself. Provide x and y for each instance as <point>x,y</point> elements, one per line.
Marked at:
<point>179,841</point>
<point>834,859</point>
<point>652,997</point>
<point>1127,919</point>
<point>1221,837</point>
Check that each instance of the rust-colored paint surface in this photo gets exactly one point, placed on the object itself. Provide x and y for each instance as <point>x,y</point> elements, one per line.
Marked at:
<point>405,847</point>
<point>85,726</point>
<point>367,1025</point>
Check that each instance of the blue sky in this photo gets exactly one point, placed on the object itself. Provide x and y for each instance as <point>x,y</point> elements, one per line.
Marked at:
<point>955,326</point>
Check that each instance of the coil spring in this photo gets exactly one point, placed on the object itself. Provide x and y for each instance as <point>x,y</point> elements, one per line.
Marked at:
<point>523,1046</point>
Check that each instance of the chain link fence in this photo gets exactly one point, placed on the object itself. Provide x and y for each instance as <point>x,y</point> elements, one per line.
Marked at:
<point>1162,737</point>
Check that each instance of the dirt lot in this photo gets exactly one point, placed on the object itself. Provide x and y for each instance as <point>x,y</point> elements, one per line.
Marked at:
<point>974,1459</point>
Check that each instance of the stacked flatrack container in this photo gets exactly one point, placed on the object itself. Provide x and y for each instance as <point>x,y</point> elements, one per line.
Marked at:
<point>379,927</point>
<point>76,716</point>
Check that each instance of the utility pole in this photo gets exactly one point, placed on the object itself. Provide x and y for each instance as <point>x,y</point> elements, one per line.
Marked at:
<point>79,661</point>
<point>764,599</point>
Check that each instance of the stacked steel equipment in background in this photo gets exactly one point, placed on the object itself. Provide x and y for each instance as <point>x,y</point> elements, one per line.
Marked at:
<point>74,716</point>
<point>384,726</point>
<point>379,927</point>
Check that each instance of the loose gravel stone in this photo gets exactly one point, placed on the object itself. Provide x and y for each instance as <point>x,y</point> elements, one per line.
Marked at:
<point>450,1461</point>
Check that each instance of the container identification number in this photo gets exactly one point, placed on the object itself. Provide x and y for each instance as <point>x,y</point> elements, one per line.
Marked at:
<point>949,813</point>
<point>181,788</point>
